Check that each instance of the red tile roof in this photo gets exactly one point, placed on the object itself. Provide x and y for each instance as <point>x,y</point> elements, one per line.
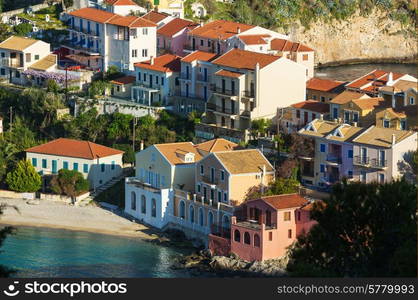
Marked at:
<point>199,55</point>
<point>174,26</point>
<point>286,45</point>
<point>220,29</point>
<point>227,73</point>
<point>101,16</point>
<point>254,39</point>
<point>372,81</point>
<point>124,80</point>
<point>74,148</point>
<point>120,2</point>
<point>324,85</point>
<point>285,201</point>
<point>155,16</point>
<point>163,63</point>
<point>242,59</point>
<point>312,105</point>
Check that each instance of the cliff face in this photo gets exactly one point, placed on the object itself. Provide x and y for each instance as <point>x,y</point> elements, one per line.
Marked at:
<point>374,38</point>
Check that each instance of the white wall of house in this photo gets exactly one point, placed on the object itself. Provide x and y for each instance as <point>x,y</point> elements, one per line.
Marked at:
<point>94,172</point>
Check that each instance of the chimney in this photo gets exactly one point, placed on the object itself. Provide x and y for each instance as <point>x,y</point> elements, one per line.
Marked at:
<point>390,79</point>
<point>151,62</point>
<point>354,124</point>
<point>141,145</point>
<point>238,30</point>
<point>321,117</point>
<point>393,139</point>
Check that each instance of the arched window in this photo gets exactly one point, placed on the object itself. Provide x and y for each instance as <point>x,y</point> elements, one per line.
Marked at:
<point>225,222</point>
<point>256,240</point>
<point>143,205</point>
<point>201,221</point>
<point>210,219</point>
<point>191,213</point>
<point>153,208</point>
<point>247,239</point>
<point>133,201</point>
<point>182,210</point>
<point>237,236</point>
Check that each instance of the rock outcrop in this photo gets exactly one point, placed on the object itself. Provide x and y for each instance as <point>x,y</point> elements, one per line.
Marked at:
<point>372,38</point>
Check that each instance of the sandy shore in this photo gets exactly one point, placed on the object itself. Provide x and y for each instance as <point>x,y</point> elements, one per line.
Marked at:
<point>59,215</point>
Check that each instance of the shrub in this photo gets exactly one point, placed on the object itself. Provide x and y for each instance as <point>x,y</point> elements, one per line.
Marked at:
<point>70,183</point>
<point>24,178</point>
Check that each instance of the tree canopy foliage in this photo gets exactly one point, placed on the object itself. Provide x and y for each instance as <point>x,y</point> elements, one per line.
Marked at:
<point>69,182</point>
<point>363,230</point>
<point>24,178</point>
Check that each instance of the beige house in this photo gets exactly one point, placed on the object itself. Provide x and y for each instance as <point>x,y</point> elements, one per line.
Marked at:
<point>18,54</point>
<point>380,152</point>
<point>121,87</point>
<point>342,99</point>
<point>247,86</point>
<point>361,112</point>
<point>99,164</point>
<point>323,90</point>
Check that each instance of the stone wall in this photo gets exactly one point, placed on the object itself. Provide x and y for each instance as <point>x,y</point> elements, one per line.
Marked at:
<point>373,38</point>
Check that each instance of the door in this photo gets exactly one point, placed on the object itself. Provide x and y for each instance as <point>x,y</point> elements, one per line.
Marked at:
<point>364,155</point>
<point>205,74</point>
<point>268,218</point>
<point>223,85</point>
<point>382,158</point>
<point>212,175</point>
<point>150,81</point>
<point>305,117</point>
<point>187,90</point>
<point>193,44</point>
<point>205,93</point>
<point>54,167</point>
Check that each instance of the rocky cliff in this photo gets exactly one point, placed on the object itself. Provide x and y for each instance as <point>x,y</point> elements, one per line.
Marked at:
<point>372,38</point>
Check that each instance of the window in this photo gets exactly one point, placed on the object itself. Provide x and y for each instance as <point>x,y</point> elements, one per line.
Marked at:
<point>256,240</point>
<point>17,74</point>
<point>198,188</point>
<point>411,100</point>
<point>237,236</point>
<point>363,176</point>
<point>143,205</point>
<point>322,168</point>
<point>346,116</point>
<point>299,215</point>
<point>177,82</point>
<point>182,210</point>
<point>145,77</point>
<point>208,43</point>
<point>222,175</point>
<point>289,233</point>
<point>202,170</point>
<point>270,236</point>
<point>139,76</point>
<point>102,166</point>
<point>75,166</point>
<point>382,178</point>
<point>133,201</point>
<point>191,213</point>
<point>355,116</point>
<point>286,216</point>
<point>144,31</point>
<point>85,168</point>
<point>2,71</point>
<point>219,196</point>
<point>350,153</point>
<point>144,52</point>
<point>305,56</point>
<point>3,54</point>
<point>403,124</point>
<point>298,114</point>
<point>156,79</point>
<point>350,174</point>
<point>162,80</point>
<point>28,57</point>
<point>322,147</point>
<point>201,219</point>
<point>314,97</point>
<point>112,166</point>
<point>201,42</point>
<point>153,208</point>
<point>386,123</point>
<point>225,197</point>
<point>322,99</point>
<point>247,238</point>
<point>335,113</point>
<point>65,165</point>
<point>134,52</point>
<point>44,163</point>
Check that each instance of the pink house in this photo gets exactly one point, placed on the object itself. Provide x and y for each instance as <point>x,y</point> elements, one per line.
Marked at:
<point>265,227</point>
<point>172,37</point>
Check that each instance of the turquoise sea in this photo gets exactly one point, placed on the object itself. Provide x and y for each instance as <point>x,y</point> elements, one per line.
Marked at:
<point>44,252</point>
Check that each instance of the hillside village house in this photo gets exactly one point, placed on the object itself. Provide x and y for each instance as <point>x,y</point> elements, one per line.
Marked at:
<point>247,86</point>
<point>156,80</point>
<point>98,39</point>
<point>18,54</point>
<point>172,37</point>
<point>299,114</point>
<point>160,169</point>
<point>121,87</point>
<point>335,105</point>
<point>361,112</point>
<point>376,79</point>
<point>123,7</point>
<point>171,7</point>
<point>222,182</point>
<point>380,152</point>
<point>158,17</point>
<point>97,163</point>
<point>403,111</point>
<point>266,227</point>
<point>323,90</point>
<point>333,156</point>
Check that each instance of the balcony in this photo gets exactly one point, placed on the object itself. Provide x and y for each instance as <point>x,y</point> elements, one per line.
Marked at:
<point>74,45</point>
<point>224,92</point>
<point>221,109</point>
<point>379,163</point>
<point>142,185</point>
<point>11,63</point>
<point>248,94</point>
<point>200,200</point>
<point>203,78</point>
<point>210,181</point>
<point>361,161</point>
<point>333,159</point>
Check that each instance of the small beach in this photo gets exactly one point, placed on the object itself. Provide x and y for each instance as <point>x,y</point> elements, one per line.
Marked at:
<point>63,216</point>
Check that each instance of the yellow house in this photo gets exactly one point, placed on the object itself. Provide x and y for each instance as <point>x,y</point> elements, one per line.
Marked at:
<point>361,112</point>
<point>172,7</point>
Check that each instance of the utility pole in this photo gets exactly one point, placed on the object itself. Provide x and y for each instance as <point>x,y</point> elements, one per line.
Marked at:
<point>66,84</point>
<point>135,120</point>
<point>11,117</point>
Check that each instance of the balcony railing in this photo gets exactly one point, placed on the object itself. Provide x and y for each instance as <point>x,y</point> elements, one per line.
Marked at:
<point>76,46</point>
<point>379,163</point>
<point>11,63</point>
<point>361,160</point>
<point>222,91</point>
<point>248,94</point>
<point>333,158</point>
<point>209,180</point>
<point>203,78</point>
<point>221,109</point>
<point>138,183</point>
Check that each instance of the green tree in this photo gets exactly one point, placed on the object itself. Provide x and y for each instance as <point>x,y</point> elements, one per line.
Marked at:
<point>52,86</point>
<point>120,126</point>
<point>5,31</point>
<point>279,186</point>
<point>24,178</point>
<point>112,73</point>
<point>363,230</point>
<point>70,183</point>
<point>128,155</point>
<point>260,127</point>
<point>23,29</point>
<point>98,88</point>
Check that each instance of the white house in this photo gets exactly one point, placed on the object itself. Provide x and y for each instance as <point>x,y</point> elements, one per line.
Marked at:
<point>98,39</point>
<point>123,7</point>
<point>99,164</point>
